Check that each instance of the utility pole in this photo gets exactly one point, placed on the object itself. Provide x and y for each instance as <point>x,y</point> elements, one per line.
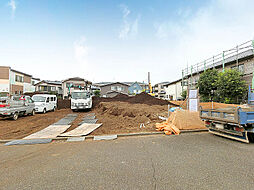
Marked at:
<point>237,64</point>
<point>253,67</point>
<point>223,61</point>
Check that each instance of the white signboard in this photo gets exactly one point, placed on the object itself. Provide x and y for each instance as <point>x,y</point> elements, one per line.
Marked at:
<point>193,104</point>
<point>193,100</point>
<point>193,94</point>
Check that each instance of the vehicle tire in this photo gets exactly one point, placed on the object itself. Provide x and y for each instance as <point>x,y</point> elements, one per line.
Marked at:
<point>33,113</point>
<point>44,111</point>
<point>251,137</point>
<point>15,116</point>
<point>54,109</point>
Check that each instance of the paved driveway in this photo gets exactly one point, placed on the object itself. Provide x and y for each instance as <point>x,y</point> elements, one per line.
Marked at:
<point>188,161</point>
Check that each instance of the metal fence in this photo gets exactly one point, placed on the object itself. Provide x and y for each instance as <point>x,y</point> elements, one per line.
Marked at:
<point>233,54</point>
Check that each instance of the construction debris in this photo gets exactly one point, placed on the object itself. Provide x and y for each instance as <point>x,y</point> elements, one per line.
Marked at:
<point>181,120</point>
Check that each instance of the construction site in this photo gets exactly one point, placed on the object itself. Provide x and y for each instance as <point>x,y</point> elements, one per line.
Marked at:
<point>119,115</point>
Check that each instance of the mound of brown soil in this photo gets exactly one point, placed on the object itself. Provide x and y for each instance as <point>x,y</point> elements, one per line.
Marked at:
<point>142,98</point>
<point>124,117</point>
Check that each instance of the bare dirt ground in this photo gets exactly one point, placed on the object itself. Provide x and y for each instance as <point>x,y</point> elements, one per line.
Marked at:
<point>27,125</point>
<point>118,115</point>
<point>121,114</point>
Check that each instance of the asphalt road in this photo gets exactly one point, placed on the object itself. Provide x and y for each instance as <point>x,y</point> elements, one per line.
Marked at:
<point>188,161</point>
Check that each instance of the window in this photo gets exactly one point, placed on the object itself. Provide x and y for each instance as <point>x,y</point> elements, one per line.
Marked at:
<point>240,68</point>
<point>47,100</point>
<point>19,78</point>
<point>44,88</point>
<point>113,88</point>
<point>52,98</point>
<point>53,88</point>
<point>119,88</point>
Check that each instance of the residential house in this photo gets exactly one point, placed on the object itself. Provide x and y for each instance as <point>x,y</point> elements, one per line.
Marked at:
<point>51,87</point>
<point>137,87</point>
<point>173,90</point>
<point>14,82</point>
<point>159,90</point>
<point>111,89</point>
<point>74,83</point>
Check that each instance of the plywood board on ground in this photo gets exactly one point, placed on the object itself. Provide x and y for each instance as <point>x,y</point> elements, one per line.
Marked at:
<point>81,130</point>
<point>51,131</point>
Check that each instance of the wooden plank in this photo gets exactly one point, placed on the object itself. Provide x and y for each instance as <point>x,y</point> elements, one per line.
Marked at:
<point>51,131</point>
<point>81,130</point>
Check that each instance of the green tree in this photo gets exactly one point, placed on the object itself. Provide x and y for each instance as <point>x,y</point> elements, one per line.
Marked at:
<point>184,94</point>
<point>231,88</point>
<point>97,93</point>
<point>207,84</point>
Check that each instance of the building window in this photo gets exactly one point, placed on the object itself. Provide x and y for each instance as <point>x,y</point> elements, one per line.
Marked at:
<point>19,78</point>
<point>114,88</point>
<point>119,88</point>
<point>240,68</point>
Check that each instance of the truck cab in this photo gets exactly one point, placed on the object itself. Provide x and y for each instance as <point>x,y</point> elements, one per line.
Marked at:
<point>81,100</point>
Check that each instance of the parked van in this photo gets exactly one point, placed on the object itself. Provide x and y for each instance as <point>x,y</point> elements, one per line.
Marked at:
<point>45,102</point>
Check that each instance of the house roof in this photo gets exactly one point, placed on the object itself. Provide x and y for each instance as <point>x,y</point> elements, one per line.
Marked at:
<point>77,79</point>
<point>111,83</point>
<point>21,72</point>
<point>161,83</point>
<point>176,81</point>
<point>50,82</point>
<point>36,78</point>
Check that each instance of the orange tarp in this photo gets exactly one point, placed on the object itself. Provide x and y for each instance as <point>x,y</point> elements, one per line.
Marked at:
<point>181,120</point>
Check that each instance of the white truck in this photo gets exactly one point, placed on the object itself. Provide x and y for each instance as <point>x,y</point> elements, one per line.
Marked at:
<point>16,106</point>
<point>81,100</point>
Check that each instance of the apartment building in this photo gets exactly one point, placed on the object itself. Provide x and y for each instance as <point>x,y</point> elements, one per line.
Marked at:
<point>14,82</point>
<point>159,90</point>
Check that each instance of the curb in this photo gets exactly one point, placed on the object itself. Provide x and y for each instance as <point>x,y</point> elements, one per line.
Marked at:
<point>119,135</point>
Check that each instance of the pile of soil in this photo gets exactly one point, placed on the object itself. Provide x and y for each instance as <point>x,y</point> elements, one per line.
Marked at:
<point>142,98</point>
<point>63,104</point>
<point>124,117</point>
<point>216,105</point>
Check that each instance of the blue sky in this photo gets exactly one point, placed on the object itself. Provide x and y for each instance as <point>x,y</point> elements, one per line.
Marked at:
<point>110,40</point>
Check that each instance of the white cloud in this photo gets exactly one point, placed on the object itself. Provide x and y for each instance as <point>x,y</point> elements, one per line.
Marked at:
<point>12,5</point>
<point>217,26</point>
<point>81,50</point>
<point>129,26</point>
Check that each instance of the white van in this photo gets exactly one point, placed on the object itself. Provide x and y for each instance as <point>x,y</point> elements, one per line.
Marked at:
<point>45,102</point>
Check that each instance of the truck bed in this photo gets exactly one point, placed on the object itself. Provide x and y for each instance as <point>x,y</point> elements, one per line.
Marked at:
<point>232,115</point>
